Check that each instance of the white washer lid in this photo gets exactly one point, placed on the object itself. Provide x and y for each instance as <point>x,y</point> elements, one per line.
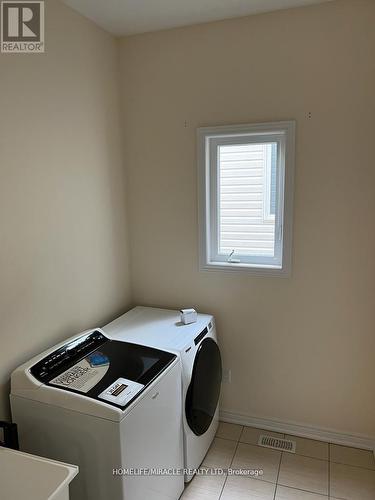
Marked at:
<point>160,328</point>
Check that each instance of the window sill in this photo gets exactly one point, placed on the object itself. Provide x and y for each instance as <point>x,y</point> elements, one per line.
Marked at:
<point>252,269</point>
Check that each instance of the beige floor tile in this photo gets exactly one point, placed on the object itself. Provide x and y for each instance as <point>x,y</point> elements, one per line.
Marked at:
<point>304,473</point>
<point>250,435</point>
<point>229,431</point>
<point>220,453</point>
<point>191,494</point>
<point>244,488</point>
<point>285,493</point>
<point>204,487</point>
<point>352,483</point>
<point>310,447</point>
<point>255,457</point>
<point>352,456</point>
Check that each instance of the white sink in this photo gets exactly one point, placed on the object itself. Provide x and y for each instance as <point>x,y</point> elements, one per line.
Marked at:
<point>24,476</point>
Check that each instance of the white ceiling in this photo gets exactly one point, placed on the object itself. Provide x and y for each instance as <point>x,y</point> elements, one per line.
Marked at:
<point>127,17</point>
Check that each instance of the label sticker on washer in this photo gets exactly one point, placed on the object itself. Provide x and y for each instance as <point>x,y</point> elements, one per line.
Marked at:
<point>121,391</point>
<point>85,374</point>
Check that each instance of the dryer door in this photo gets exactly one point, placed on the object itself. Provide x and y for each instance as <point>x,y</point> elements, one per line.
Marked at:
<point>203,393</point>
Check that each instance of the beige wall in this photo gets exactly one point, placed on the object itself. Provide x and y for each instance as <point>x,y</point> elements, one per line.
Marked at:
<point>300,349</point>
<point>63,255</point>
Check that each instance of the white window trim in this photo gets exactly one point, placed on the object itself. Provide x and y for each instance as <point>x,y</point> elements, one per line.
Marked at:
<point>284,133</point>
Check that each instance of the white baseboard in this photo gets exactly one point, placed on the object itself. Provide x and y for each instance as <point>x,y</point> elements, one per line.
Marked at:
<point>296,429</point>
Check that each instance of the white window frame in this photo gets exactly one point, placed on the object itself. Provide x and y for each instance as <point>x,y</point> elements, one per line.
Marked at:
<point>209,138</point>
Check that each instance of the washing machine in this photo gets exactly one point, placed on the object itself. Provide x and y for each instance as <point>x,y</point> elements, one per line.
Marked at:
<point>196,343</point>
<point>111,407</point>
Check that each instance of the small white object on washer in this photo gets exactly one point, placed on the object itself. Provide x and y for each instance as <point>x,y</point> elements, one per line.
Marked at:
<point>196,343</point>
<point>188,316</point>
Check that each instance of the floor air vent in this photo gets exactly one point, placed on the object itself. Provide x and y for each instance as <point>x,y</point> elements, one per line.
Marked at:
<point>277,443</point>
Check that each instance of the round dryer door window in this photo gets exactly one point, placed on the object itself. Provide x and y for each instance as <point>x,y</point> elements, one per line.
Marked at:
<point>203,393</point>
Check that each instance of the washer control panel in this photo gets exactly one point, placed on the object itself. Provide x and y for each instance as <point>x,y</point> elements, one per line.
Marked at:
<point>59,360</point>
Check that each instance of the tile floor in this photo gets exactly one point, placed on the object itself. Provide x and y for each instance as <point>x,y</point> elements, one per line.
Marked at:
<point>318,471</point>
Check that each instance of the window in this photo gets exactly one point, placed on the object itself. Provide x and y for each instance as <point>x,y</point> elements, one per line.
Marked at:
<point>246,196</point>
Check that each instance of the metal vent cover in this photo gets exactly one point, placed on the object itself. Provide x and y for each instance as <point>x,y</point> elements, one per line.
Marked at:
<point>277,443</point>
